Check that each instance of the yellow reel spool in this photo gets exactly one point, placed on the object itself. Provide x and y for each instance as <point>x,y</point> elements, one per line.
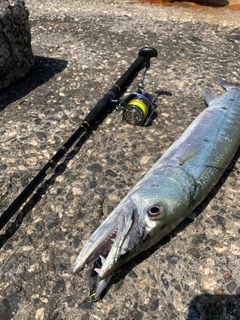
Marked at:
<point>137,109</point>
<point>139,104</point>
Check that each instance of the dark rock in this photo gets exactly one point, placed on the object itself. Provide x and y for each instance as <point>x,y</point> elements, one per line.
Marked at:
<point>101,191</point>
<point>176,285</point>
<point>5,311</point>
<point>220,220</point>
<point>96,167</point>
<point>111,173</point>
<point>194,252</point>
<point>58,288</point>
<point>54,316</point>
<point>8,306</point>
<point>51,306</point>
<point>164,281</point>
<point>178,288</point>
<point>231,286</point>
<point>135,306</point>
<point>62,268</point>
<point>86,305</point>
<point>70,301</point>
<point>76,242</point>
<point>200,238</point>
<point>154,305</point>
<point>92,184</point>
<point>16,57</point>
<point>3,167</point>
<point>143,308</point>
<point>213,243</point>
<point>173,259</point>
<point>79,215</point>
<point>236,215</point>
<point>41,135</point>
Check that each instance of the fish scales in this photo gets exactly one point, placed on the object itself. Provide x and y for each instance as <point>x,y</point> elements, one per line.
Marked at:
<point>205,149</point>
<point>171,189</point>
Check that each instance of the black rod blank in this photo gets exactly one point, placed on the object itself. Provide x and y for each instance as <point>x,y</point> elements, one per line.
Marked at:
<point>115,92</point>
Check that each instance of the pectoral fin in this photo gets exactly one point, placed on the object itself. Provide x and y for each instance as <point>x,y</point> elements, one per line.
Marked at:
<point>209,96</point>
<point>188,154</point>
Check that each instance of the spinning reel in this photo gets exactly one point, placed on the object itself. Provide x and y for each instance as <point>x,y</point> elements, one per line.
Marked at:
<point>138,107</point>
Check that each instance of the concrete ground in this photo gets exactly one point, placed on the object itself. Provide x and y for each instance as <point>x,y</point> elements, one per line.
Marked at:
<point>81,49</point>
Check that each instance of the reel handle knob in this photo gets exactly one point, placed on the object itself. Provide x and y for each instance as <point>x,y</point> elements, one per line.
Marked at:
<point>148,52</point>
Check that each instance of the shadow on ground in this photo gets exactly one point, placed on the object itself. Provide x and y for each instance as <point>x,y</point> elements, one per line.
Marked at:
<point>43,70</point>
<point>214,307</point>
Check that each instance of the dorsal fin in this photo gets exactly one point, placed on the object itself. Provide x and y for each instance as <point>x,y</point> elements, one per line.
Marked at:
<point>227,85</point>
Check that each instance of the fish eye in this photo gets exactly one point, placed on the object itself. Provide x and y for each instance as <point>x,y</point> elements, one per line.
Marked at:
<point>156,212</point>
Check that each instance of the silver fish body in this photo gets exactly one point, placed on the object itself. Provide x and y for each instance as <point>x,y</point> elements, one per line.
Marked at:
<point>173,187</point>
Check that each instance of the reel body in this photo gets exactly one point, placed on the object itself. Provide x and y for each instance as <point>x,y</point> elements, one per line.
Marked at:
<point>138,109</point>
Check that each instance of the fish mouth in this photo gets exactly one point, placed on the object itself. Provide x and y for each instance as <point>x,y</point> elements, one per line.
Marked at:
<point>107,242</point>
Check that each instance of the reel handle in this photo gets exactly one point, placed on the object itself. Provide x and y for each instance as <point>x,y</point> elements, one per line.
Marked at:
<point>126,79</point>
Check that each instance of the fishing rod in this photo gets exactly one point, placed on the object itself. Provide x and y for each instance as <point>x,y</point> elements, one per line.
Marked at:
<point>137,110</point>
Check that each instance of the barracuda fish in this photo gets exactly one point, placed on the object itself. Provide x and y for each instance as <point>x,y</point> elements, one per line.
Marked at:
<point>172,188</point>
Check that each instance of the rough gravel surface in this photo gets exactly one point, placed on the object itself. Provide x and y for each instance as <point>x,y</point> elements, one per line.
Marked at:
<point>81,48</point>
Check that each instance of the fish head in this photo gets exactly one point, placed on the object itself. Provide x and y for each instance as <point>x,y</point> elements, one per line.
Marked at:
<point>139,221</point>
<point>108,240</point>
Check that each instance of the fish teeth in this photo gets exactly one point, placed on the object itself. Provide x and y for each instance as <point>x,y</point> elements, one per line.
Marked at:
<point>102,262</point>
<point>97,270</point>
<point>111,237</point>
<point>102,259</point>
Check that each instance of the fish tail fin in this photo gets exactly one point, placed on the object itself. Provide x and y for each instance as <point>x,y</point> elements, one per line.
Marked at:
<point>227,85</point>
<point>209,96</point>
